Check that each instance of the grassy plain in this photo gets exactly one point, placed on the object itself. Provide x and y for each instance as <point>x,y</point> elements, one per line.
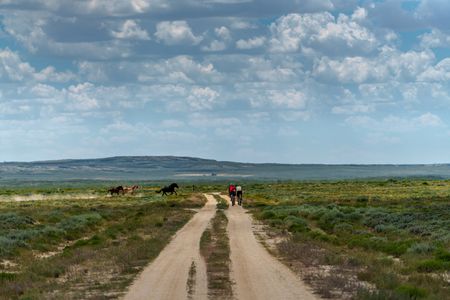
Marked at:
<point>378,239</point>
<point>81,243</point>
<point>385,239</point>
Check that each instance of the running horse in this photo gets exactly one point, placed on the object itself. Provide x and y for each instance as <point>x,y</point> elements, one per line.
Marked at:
<point>130,189</point>
<point>168,189</point>
<point>116,190</point>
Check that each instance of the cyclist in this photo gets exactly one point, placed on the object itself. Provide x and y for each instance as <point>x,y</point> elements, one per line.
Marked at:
<point>239,194</point>
<point>232,193</point>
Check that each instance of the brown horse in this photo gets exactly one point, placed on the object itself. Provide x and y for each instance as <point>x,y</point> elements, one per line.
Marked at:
<point>130,189</point>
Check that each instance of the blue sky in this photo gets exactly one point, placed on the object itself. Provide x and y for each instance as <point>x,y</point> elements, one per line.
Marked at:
<point>291,81</point>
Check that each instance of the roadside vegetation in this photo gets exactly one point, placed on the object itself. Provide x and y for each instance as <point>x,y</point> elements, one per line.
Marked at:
<point>215,248</point>
<point>83,248</point>
<point>363,240</point>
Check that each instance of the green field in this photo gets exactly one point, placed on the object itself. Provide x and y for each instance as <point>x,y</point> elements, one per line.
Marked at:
<point>378,240</point>
<point>387,239</point>
<point>84,244</point>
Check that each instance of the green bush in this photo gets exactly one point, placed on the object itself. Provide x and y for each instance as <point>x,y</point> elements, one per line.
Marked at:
<point>295,224</point>
<point>13,220</point>
<point>343,228</point>
<point>329,219</point>
<point>431,265</point>
<point>421,248</point>
<point>267,214</point>
<point>412,292</point>
<point>78,222</point>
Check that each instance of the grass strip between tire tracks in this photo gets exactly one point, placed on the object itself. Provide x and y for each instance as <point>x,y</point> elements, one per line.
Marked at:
<point>215,248</point>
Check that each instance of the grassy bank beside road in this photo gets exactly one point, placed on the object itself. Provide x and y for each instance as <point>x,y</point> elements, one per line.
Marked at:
<point>370,240</point>
<point>84,248</point>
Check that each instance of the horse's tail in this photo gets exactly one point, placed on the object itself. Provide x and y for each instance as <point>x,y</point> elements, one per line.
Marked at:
<point>158,191</point>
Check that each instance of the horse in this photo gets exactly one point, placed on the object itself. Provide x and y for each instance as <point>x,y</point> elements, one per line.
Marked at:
<point>130,189</point>
<point>116,190</point>
<point>168,189</point>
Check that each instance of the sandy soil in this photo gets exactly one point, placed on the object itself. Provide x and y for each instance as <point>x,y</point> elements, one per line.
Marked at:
<point>256,273</point>
<point>167,276</point>
<point>41,197</point>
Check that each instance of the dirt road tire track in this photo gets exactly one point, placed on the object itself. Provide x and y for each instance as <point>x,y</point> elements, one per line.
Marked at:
<point>256,273</point>
<point>166,277</point>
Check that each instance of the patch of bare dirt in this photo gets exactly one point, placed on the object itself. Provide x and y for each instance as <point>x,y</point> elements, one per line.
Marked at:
<point>258,274</point>
<point>169,274</point>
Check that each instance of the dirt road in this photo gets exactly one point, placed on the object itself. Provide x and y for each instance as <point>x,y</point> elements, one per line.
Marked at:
<point>167,276</point>
<point>257,274</point>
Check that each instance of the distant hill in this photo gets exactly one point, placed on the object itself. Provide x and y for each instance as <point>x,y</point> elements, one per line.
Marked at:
<point>190,168</point>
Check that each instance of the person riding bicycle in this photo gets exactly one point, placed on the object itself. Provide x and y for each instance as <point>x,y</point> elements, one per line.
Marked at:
<point>239,194</point>
<point>232,193</point>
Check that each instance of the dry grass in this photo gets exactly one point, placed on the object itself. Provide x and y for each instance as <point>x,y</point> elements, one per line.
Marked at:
<point>97,248</point>
<point>214,247</point>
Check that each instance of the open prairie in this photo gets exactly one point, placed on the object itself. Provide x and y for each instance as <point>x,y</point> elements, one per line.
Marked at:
<point>381,239</point>
<point>385,239</point>
<point>80,242</point>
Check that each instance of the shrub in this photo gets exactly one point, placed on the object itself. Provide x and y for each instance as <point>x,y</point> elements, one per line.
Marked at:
<point>4,276</point>
<point>431,265</point>
<point>384,228</point>
<point>78,222</point>
<point>443,255</point>
<point>267,214</point>
<point>412,292</point>
<point>295,224</point>
<point>421,248</point>
<point>13,220</point>
<point>329,219</point>
<point>343,228</point>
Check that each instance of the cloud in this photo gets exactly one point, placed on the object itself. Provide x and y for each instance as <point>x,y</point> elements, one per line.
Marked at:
<point>224,37</point>
<point>289,98</point>
<point>88,7</point>
<point>429,119</point>
<point>251,43</point>
<point>322,32</point>
<point>130,30</point>
<point>434,39</point>
<point>434,13</point>
<point>354,108</point>
<point>29,29</point>
<point>176,33</point>
<point>223,33</point>
<point>438,72</point>
<point>396,124</point>
<point>215,46</point>
<point>261,69</point>
<point>202,98</point>
<point>178,69</point>
<point>13,68</point>
<point>389,64</point>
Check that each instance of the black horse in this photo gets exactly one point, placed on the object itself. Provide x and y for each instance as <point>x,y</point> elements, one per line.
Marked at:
<point>116,190</point>
<point>168,189</point>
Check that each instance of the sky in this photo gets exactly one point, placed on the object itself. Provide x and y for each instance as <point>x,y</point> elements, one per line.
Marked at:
<point>288,81</point>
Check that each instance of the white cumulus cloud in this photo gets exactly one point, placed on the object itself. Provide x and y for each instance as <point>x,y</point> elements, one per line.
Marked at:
<point>202,98</point>
<point>130,30</point>
<point>251,43</point>
<point>176,33</point>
